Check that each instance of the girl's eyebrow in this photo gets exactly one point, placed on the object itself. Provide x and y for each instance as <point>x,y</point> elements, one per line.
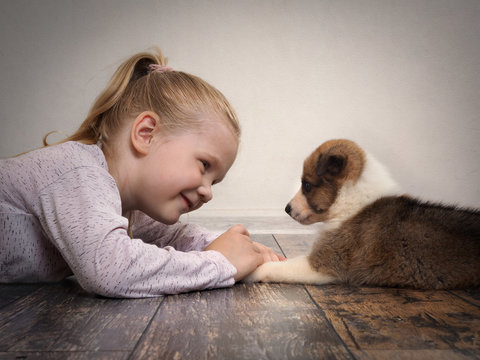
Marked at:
<point>212,159</point>
<point>216,163</point>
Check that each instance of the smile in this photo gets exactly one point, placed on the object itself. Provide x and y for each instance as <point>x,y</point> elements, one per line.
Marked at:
<point>187,202</point>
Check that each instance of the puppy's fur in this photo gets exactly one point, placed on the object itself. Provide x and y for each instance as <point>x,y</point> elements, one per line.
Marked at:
<point>374,235</point>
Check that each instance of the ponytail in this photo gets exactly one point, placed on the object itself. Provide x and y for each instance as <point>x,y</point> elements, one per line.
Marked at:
<point>177,97</point>
<point>96,128</point>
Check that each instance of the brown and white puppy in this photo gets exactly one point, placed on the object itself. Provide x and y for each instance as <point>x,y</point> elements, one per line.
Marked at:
<point>373,235</point>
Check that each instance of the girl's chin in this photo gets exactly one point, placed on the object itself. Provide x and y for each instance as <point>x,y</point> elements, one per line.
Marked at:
<point>167,220</point>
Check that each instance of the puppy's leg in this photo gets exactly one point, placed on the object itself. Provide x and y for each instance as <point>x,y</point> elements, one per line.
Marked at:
<point>296,271</point>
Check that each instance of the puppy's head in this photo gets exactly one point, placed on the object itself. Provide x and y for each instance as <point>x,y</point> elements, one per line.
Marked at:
<point>331,166</point>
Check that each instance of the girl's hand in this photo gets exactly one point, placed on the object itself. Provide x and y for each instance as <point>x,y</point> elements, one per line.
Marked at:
<point>246,255</point>
<point>268,254</point>
<point>236,246</point>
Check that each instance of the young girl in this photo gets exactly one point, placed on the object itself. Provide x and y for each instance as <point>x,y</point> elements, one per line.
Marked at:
<point>103,205</point>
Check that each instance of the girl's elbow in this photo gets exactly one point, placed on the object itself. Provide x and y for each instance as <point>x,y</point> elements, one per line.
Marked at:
<point>104,288</point>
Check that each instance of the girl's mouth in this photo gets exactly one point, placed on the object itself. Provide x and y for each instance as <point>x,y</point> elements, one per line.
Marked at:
<point>187,202</point>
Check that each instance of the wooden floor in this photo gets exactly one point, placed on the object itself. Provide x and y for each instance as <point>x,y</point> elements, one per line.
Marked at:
<point>247,321</point>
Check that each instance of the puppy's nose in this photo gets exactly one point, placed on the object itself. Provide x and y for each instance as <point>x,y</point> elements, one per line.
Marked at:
<point>288,209</point>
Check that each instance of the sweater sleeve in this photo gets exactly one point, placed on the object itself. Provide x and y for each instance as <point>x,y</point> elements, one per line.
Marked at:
<point>181,236</point>
<point>81,214</point>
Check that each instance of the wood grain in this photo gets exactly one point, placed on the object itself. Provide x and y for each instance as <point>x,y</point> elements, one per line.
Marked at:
<point>62,355</point>
<point>11,292</point>
<point>400,319</point>
<point>295,245</point>
<point>471,296</point>
<point>63,317</point>
<point>254,321</point>
<point>267,240</point>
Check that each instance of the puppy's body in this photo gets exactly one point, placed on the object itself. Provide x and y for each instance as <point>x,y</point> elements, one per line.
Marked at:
<point>374,235</point>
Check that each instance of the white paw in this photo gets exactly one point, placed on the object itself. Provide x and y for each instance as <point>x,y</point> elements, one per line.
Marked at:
<point>264,273</point>
<point>293,271</point>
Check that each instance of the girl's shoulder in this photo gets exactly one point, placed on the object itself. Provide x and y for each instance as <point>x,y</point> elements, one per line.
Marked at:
<point>62,157</point>
<point>47,164</point>
<point>76,154</point>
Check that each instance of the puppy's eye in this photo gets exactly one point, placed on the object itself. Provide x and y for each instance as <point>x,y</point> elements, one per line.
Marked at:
<point>306,186</point>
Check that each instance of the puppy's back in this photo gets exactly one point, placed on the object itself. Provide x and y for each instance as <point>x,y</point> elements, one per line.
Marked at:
<point>401,241</point>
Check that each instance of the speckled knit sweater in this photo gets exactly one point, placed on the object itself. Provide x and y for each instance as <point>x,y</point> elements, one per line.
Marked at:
<point>61,214</point>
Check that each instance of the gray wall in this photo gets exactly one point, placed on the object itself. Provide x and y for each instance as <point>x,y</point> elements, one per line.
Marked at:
<point>402,78</point>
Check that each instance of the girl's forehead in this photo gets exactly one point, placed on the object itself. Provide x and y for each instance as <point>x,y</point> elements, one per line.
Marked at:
<point>203,123</point>
<point>207,121</point>
<point>218,128</point>
<point>221,137</point>
<point>207,132</point>
<point>211,134</point>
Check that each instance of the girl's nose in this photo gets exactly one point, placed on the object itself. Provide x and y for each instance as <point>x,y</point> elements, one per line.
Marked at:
<point>205,192</point>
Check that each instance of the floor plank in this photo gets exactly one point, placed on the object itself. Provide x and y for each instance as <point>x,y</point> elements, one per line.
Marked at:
<point>373,319</point>
<point>470,295</point>
<point>415,355</point>
<point>12,292</point>
<point>295,245</point>
<point>63,317</point>
<point>248,321</point>
<point>267,240</point>
<point>62,355</point>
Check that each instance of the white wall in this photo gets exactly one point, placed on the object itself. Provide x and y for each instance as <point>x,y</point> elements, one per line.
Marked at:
<point>401,78</point>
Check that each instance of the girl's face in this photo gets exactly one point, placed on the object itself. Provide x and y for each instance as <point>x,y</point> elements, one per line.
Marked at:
<point>179,172</point>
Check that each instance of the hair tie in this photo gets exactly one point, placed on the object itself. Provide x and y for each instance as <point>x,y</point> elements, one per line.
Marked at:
<point>159,68</point>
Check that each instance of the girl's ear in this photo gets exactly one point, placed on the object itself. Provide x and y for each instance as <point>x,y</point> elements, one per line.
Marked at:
<point>142,131</point>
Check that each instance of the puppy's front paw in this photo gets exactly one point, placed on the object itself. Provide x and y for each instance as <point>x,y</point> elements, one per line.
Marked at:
<point>263,273</point>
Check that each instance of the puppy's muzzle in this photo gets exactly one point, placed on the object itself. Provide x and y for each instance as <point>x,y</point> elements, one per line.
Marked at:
<point>288,209</point>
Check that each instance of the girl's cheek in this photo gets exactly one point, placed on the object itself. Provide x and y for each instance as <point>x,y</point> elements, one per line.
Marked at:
<point>196,177</point>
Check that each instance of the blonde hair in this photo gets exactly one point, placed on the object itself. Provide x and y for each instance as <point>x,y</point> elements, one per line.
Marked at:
<point>178,98</point>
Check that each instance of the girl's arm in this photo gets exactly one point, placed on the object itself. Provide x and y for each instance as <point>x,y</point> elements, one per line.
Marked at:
<point>234,244</point>
<point>81,214</point>
<point>181,236</point>
<point>188,237</point>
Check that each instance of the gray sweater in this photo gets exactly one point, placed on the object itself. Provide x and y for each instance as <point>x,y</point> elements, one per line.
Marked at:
<point>61,214</point>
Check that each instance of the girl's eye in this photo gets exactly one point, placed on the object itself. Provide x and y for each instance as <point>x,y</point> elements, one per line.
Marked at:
<point>205,164</point>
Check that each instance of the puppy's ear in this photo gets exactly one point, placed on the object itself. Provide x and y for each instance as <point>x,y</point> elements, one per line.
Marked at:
<point>331,164</point>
